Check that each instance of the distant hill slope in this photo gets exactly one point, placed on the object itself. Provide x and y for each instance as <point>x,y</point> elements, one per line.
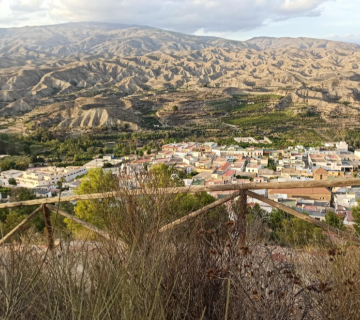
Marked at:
<point>100,39</point>
<point>41,66</point>
<point>265,43</point>
<point>124,40</point>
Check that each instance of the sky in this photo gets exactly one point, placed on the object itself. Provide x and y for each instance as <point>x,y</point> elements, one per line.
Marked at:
<point>231,19</point>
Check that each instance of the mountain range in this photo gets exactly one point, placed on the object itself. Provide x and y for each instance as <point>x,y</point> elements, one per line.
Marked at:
<point>40,66</point>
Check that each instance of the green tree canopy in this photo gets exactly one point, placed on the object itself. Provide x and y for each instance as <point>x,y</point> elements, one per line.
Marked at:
<point>12,181</point>
<point>333,220</point>
<point>96,181</point>
<point>356,215</point>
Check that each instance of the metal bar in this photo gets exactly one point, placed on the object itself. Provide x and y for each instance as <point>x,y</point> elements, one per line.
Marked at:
<point>22,223</point>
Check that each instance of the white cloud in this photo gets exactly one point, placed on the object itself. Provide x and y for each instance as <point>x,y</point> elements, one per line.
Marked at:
<point>181,15</point>
<point>353,38</point>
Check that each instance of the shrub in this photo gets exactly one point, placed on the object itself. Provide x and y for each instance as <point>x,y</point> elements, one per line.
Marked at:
<point>12,181</point>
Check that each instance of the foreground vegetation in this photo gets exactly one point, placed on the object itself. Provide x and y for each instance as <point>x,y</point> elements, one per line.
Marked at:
<point>196,270</point>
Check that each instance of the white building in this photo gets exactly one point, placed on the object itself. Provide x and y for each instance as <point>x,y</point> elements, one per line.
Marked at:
<point>253,168</point>
<point>99,163</point>
<point>48,176</point>
<point>6,175</point>
<point>342,146</point>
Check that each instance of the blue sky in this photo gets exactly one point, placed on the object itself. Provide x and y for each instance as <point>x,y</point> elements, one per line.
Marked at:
<point>232,19</point>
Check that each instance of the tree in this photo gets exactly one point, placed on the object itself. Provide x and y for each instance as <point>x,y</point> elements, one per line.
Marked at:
<point>11,221</point>
<point>175,108</point>
<point>356,215</point>
<point>276,218</point>
<point>93,211</point>
<point>12,181</point>
<point>33,158</point>
<point>333,220</point>
<point>272,165</point>
<point>125,150</point>
<point>298,232</point>
<point>163,173</point>
<point>125,126</point>
<point>24,194</point>
<point>59,184</point>
<point>11,218</point>
<point>91,150</point>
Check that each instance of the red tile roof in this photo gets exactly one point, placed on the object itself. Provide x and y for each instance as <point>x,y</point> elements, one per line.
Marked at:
<point>224,166</point>
<point>230,173</point>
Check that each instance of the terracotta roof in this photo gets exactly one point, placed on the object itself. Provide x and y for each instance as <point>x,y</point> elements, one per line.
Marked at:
<point>224,166</point>
<point>300,191</point>
<point>229,173</point>
<point>320,170</point>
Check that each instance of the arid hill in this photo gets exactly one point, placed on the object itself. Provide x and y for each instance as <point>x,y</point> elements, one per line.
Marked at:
<point>51,66</point>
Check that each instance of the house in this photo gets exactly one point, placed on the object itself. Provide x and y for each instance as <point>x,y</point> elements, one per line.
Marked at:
<point>224,167</point>
<point>253,168</point>
<point>320,174</point>
<point>233,152</point>
<point>99,163</point>
<point>48,176</point>
<point>357,153</point>
<point>218,161</point>
<point>8,174</point>
<point>342,146</point>
<point>345,200</point>
<point>43,193</point>
<point>173,147</point>
<point>204,164</point>
<point>229,174</point>
<point>108,157</point>
<point>262,161</point>
<point>185,168</point>
<point>267,173</point>
<point>302,193</point>
<point>238,166</point>
<point>330,162</point>
<point>259,180</point>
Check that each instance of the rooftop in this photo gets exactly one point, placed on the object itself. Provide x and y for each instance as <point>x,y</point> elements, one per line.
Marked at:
<point>300,191</point>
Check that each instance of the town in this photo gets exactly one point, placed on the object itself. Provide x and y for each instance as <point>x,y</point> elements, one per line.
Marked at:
<point>209,164</point>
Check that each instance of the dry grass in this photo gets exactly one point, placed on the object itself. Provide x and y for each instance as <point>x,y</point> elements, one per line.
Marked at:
<point>196,271</point>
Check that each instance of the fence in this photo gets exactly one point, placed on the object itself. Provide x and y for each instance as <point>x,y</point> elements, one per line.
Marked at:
<point>240,191</point>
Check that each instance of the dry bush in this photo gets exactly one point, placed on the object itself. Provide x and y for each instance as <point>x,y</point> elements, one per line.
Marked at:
<point>195,271</point>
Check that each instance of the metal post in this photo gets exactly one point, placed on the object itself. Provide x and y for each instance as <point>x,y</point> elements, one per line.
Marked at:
<point>48,227</point>
<point>242,218</point>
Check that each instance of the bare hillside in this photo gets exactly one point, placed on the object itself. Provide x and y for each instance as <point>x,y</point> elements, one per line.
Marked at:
<point>41,67</point>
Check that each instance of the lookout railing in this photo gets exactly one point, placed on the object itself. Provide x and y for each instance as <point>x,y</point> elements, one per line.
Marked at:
<point>240,192</point>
